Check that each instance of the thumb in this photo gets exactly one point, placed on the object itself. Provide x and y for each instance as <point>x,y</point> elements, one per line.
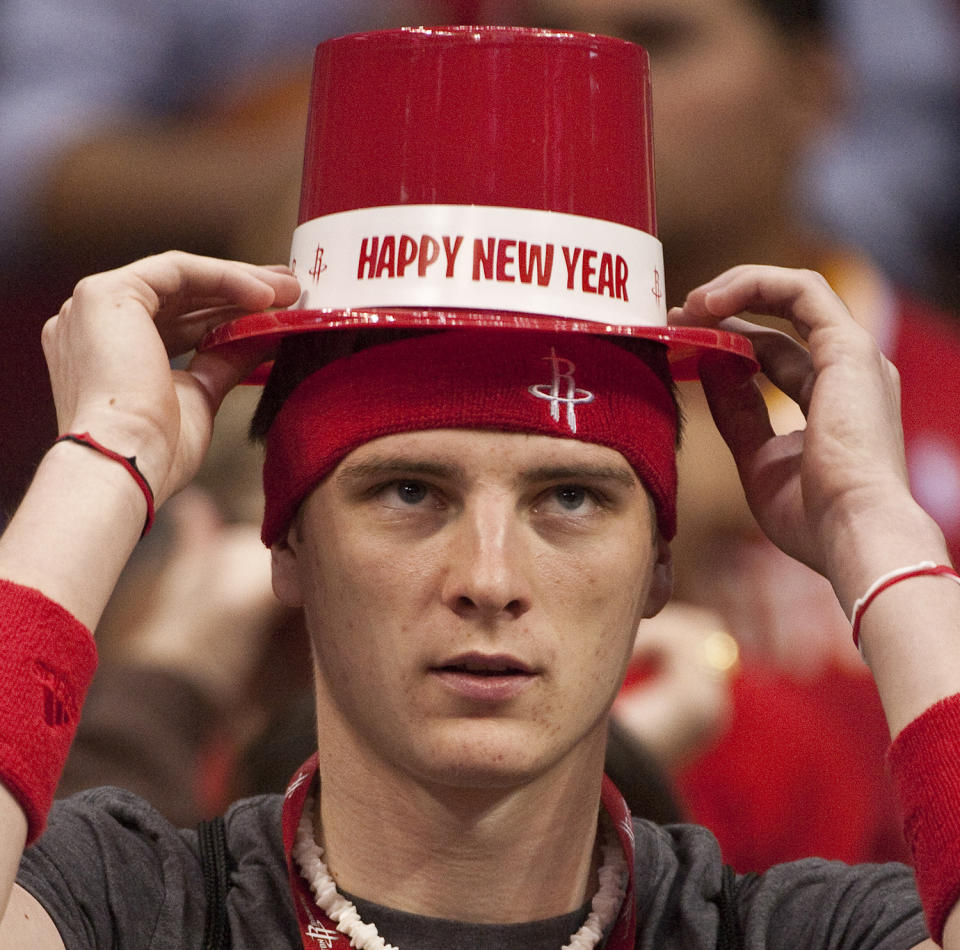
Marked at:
<point>218,371</point>
<point>736,404</point>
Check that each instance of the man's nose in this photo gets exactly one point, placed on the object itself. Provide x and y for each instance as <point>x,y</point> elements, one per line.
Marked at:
<point>487,576</point>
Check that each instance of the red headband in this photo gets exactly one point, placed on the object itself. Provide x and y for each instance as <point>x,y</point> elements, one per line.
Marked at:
<point>564,385</point>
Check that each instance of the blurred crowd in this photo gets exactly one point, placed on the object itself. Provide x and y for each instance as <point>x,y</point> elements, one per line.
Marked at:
<point>813,134</point>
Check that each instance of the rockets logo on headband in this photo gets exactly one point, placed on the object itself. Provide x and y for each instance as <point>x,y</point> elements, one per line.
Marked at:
<point>562,375</point>
<point>592,390</point>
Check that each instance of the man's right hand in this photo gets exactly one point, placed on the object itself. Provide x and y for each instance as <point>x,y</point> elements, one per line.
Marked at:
<point>108,353</point>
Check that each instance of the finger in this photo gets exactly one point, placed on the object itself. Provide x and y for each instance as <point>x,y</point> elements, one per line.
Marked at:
<point>801,296</point>
<point>175,282</point>
<point>218,371</point>
<point>784,361</point>
<point>170,287</point>
<point>737,406</point>
<point>183,332</point>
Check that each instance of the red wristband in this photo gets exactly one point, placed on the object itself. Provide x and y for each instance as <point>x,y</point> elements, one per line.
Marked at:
<point>129,462</point>
<point>925,762</point>
<point>47,659</point>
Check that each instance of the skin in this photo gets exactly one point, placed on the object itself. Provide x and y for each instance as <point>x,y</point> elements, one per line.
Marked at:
<point>108,351</point>
<point>523,552</point>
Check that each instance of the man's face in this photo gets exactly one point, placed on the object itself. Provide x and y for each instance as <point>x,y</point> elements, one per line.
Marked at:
<point>472,599</point>
<point>726,103</point>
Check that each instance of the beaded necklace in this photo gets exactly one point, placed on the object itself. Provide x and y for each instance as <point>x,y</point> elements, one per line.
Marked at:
<point>328,921</point>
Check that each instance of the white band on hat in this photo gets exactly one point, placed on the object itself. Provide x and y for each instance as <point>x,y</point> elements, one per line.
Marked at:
<point>481,258</point>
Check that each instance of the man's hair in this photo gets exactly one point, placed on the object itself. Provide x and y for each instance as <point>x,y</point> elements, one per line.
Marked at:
<point>301,355</point>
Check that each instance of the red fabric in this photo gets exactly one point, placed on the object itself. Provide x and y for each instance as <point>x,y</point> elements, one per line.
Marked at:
<point>926,351</point>
<point>473,379</point>
<point>925,761</point>
<point>799,772</point>
<point>47,659</point>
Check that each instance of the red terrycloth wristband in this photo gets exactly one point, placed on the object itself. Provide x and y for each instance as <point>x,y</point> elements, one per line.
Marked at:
<point>925,763</point>
<point>47,659</point>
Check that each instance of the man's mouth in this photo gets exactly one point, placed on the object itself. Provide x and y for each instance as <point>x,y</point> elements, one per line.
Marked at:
<point>477,664</point>
<point>485,678</point>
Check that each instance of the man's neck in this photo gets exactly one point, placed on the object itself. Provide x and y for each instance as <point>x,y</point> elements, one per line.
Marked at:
<point>481,855</point>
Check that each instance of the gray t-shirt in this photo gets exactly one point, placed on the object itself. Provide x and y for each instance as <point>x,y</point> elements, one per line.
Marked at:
<point>112,872</point>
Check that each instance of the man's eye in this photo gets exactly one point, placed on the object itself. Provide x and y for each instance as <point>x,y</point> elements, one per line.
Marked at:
<point>411,493</point>
<point>402,494</point>
<point>567,500</point>
<point>571,498</point>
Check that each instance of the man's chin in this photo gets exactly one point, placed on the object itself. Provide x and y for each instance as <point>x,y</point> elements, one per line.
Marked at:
<point>495,759</point>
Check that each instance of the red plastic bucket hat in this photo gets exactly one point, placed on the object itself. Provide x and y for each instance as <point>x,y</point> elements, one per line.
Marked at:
<point>481,177</point>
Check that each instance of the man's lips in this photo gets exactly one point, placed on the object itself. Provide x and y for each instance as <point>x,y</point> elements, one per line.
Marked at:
<point>482,664</point>
<point>485,677</point>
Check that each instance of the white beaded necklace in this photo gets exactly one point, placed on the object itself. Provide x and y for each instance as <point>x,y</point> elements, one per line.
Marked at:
<point>309,857</point>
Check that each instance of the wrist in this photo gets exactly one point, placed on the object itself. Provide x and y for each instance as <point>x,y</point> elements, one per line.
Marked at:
<point>129,435</point>
<point>869,545</point>
<point>71,535</point>
<point>77,465</point>
<point>126,462</point>
<point>923,762</point>
<point>47,659</point>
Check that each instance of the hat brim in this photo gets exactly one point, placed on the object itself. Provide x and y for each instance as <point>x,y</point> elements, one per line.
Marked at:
<point>685,345</point>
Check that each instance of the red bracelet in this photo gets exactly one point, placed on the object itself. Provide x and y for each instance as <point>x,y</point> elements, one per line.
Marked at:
<point>47,659</point>
<point>923,569</point>
<point>925,763</point>
<point>128,462</point>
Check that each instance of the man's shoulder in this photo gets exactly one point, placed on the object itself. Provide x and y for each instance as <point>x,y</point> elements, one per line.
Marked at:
<point>110,866</point>
<point>131,814</point>
<point>681,885</point>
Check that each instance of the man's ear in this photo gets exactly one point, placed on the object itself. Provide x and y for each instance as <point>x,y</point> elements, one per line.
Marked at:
<point>285,568</point>
<point>661,584</point>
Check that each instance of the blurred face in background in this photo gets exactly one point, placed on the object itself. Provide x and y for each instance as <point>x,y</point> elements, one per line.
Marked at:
<point>734,100</point>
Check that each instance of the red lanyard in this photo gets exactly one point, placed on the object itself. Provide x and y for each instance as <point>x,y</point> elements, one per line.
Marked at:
<point>319,932</point>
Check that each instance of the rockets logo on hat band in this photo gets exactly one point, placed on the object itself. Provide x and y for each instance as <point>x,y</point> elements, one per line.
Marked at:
<point>561,385</point>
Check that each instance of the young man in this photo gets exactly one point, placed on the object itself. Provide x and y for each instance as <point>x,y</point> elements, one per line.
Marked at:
<point>474,520</point>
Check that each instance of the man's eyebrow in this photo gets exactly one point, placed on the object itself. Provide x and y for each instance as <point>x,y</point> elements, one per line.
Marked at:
<point>387,466</point>
<point>412,467</point>
<point>573,473</point>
